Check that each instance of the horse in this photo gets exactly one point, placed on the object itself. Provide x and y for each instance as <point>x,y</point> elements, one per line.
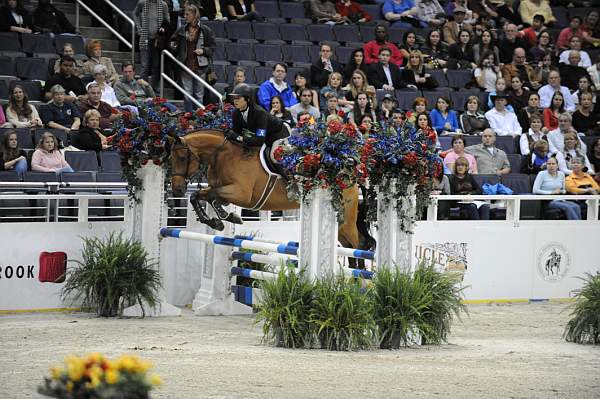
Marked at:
<point>235,176</point>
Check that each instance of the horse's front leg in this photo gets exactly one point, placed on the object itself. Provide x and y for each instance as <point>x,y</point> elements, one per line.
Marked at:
<point>217,201</point>
<point>203,217</point>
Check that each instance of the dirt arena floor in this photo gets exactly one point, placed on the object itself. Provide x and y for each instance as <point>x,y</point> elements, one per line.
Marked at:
<point>499,351</point>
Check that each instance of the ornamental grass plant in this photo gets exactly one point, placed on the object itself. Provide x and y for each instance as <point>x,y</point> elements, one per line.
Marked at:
<point>114,272</point>
<point>285,309</point>
<point>342,314</point>
<point>584,325</point>
<point>97,377</point>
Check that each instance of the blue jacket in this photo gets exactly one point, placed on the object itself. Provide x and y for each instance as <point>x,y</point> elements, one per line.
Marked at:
<point>438,121</point>
<point>267,91</point>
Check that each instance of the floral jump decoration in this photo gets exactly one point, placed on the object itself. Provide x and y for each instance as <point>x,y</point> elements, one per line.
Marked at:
<point>404,156</point>
<point>142,138</point>
<point>97,377</point>
<point>323,155</point>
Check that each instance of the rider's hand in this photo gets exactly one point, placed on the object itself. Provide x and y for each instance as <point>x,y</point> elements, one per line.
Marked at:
<point>233,136</point>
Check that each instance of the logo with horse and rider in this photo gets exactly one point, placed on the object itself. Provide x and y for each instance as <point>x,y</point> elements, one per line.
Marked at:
<point>553,261</point>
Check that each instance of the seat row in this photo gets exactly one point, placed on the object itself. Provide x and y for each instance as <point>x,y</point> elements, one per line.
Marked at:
<point>50,177</point>
<point>18,44</point>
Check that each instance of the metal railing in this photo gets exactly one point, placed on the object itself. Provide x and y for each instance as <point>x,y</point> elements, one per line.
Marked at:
<point>164,76</point>
<point>131,44</point>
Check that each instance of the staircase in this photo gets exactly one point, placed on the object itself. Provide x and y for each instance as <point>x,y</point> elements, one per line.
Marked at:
<point>110,44</point>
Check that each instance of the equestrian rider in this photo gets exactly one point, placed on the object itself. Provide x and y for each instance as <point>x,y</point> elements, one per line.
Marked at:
<point>252,125</point>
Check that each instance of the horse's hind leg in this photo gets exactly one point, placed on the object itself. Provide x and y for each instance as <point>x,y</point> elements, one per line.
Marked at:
<point>203,217</point>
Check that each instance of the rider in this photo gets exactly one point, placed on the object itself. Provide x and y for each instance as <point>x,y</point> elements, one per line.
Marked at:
<point>252,125</point>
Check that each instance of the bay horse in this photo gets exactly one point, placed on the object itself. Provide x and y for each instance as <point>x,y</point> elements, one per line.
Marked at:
<point>235,176</point>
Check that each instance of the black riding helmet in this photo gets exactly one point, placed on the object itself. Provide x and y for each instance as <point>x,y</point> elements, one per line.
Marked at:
<point>242,90</point>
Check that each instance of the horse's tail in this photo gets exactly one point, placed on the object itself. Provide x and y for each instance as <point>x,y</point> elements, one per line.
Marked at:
<point>367,242</point>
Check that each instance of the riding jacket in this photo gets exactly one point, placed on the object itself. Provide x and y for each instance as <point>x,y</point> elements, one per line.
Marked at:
<point>266,127</point>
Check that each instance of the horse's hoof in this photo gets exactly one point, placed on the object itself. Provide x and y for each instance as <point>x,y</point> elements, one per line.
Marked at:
<point>216,224</point>
<point>234,218</point>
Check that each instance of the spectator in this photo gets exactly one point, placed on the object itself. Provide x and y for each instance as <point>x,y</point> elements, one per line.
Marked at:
<point>12,157</point>
<point>385,75</point>
<point>401,13</point>
<point>451,7</point>
<point>519,95</point>
<point>585,121</point>
<point>444,119</point>
<point>108,93</point>
<point>534,134</point>
<point>482,10</point>
<point>571,72</point>
<point>334,87</point>
<point>533,107</point>
<point>14,17</point>
<point>580,182</point>
<point>362,106</point>
<point>305,105</point>
<point>490,160</point>
<point>371,48</point>
<point>108,115</point>
<point>211,10</point>
<point>424,125</point>
<point>398,118</point>
<point>591,28</point>
<point>322,68</point>
<point>48,158</point>
<point>544,67</point>
<point>353,12</point>
<point>90,137</point>
<point>243,10</point>
<point>461,53</point>
<point>486,44</point>
<point>366,126</point>
<point>332,109</point>
<point>430,12</point>
<point>502,121</point>
<point>435,51</point>
<point>60,114</point>
<point>239,76</point>
<point>67,80</point>
<point>544,45</point>
<point>323,11</point>
<point>546,92</point>
<point>409,43</point>
<point>356,61</point>
<point>151,22</point>
<point>518,67</point>
<point>593,155</point>
<point>510,42</point>
<point>473,121</point>
<point>463,183</point>
<point>415,75</point>
<point>458,151</point>
<point>19,112</point>
<point>529,9</point>
<point>419,106</point>
<point>194,43</point>
<point>78,68</point>
<point>508,14</point>
<point>571,150</point>
<point>500,87</point>
<point>556,137</point>
<point>130,91</point>
<point>48,19</point>
<point>387,106</point>
<point>94,52</point>
<point>575,45</point>
<point>487,73</point>
<point>531,33</point>
<point>301,82</point>
<point>565,35</point>
<point>584,86</point>
<point>552,181</point>
<point>278,110</point>
<point>557,107</point>
<point>452,29</point>
<point>276,86</point>
<point>536,160</point>
<point>358,84</point>
<point>594,72</point>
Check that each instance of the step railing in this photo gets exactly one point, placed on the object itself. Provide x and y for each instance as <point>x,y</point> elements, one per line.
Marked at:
<point>129,44</point>
<point>164,76</point>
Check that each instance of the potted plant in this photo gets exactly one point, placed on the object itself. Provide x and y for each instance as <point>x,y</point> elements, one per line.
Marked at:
<point>114,272</point>
<point>342,314</point>
<point>285,309</point>
<point>584,326</point>
<point>95,376</point>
